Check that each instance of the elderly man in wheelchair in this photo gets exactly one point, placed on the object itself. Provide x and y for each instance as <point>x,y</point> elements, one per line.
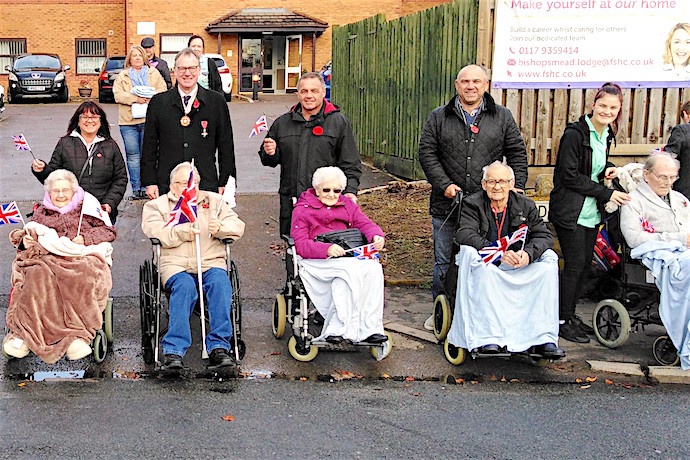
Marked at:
<point>215,221</point>
<point>656,225</point>
<point>507,276</point>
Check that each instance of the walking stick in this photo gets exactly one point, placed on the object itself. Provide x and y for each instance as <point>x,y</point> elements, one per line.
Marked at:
<point>204,353</point>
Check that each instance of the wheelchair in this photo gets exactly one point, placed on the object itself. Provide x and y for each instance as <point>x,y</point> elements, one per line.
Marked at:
<point>151,307</point>
<point>632,304</point>
<point>292,306</point>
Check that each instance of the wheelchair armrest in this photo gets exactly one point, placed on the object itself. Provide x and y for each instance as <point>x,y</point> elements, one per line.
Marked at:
<point>155,241</point>
<point>288,239</point>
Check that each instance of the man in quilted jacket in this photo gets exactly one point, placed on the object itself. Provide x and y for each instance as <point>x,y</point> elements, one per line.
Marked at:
<point>458,140</point>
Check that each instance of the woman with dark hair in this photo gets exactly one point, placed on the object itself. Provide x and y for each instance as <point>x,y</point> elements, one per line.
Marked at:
<point>209,77</point>
<point>88,151</point>
<point>576,206</point>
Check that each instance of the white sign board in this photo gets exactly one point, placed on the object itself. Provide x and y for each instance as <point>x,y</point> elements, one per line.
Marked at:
<point>543,208</point>
<point>585,43</point>
<point>146,28</point>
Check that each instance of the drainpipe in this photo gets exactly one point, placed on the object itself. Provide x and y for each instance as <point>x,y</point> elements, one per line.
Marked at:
<point>126,25</point>
<point>313,51</point>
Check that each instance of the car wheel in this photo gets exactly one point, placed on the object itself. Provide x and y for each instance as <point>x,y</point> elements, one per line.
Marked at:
<point>228,97</point>
<point>101,99</point>
<point>64,95</point>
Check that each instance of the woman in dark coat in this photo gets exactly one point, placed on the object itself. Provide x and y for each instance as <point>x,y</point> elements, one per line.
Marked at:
<point>577,201</point>
<point>88,151</point>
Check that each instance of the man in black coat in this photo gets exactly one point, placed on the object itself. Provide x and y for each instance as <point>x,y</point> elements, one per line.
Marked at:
<point>184,123</point>
<point>157,63</point>
<point>311,135</point>
<point>679,143</point>
<point>470,132</point>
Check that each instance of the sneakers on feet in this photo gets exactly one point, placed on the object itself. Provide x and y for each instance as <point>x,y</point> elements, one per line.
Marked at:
<point>14,346</point>
<point>552,351</point>
<point>429,323</point>
<point>220,357</point>
<point>377,338</point>
<point>172,361</point>
<point>78,349</point>
<point>583,327</point>
<point>572,333</point>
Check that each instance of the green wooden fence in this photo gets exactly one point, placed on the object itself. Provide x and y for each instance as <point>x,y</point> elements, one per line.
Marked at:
<point>388,77</point>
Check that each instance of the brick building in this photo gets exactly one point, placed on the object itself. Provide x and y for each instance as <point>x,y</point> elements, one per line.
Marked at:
<point>276,39</point>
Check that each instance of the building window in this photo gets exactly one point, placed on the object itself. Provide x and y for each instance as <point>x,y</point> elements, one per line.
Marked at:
<point>90,55</point>
<point>171,45</point>
<point>10,48</point>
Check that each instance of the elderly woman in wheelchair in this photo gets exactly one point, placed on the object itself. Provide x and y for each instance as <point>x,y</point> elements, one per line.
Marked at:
<point>60,278</point>
<point>656,225</point>
<point>346,291</point>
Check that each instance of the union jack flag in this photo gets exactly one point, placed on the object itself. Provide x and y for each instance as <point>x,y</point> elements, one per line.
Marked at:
<point>260,126</point>
<point>9,214</point>
<point>20,143</point>
<point>366,252</point>
<point>185,209</point>
<point>495,250</point>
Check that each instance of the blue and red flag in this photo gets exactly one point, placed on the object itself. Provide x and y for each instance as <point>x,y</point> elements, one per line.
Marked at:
<point>20,143</point>
<point>9,214</point>
<point>185,209</point>
<point>366,252</point>
<point>260,125</point>
<point>495,250</point>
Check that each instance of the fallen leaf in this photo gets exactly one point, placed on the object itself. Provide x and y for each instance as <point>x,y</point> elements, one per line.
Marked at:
<point>608,382</point>
<point>23,384</point>
<point>503,379</point>
<point>459,381</point>
<point>228,418</point>
<point>275,353</point>
<point>578,380</point>
<point>626,385</point>
<point>416,394</point>
<point>302,379</point>
<point>474,382</point>
<point>386,376</point>
<point>493,378</point>
<point>591,379</point>
<point>409,378</point>
<point>585,386</point>
<point>514,380</point>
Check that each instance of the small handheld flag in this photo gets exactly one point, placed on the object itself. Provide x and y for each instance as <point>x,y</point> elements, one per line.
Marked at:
<point>495,250</point>
<point>366,252</point>
<point>20,143</point>
<point>92,207</point>
<point>185,209</point>
<point>260,126</point>
<point>9,214</point>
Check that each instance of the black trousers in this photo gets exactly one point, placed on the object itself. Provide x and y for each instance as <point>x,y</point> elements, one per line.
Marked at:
<point>286,206</point>
<point>577,247</point>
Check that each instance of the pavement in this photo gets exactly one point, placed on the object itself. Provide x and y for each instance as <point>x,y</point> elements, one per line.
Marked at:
<point>416,354</point>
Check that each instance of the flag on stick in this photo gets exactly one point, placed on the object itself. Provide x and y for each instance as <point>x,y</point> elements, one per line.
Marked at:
<point>260,126</point>
<point>9,214</point>
<point>185,209</point>
<point>366,252</point>
<point>20,143</point>
<point>92,207</point>
<point>495,250</point>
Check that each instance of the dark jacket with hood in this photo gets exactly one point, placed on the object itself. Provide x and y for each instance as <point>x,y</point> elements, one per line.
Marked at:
<point>451,152</point>
<point>572,176</point>
<point>679,143</point>
<point>304,146</point>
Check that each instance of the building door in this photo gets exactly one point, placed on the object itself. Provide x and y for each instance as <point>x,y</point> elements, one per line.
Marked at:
<point>251,63</point>
<point>293,54</point>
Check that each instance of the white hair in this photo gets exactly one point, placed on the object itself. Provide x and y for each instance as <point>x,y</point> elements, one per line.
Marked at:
<point>61,174</point>
<point>328,173</point>
<point>186,165</point>
<point>486,168</point>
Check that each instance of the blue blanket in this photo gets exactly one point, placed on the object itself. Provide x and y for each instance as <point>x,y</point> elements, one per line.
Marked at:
<point>669,262</point>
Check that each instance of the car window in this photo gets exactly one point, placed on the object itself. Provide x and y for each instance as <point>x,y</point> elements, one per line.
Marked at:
<point>114,64</point>
<point>219,62</point>
<point>36,62</point>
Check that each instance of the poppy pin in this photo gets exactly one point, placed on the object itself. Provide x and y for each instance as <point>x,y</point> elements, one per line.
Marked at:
<point>99,155</point>
<point>317,130</point>
<point>196,103</point>
<point>204,205</point>
<point>474,129</point>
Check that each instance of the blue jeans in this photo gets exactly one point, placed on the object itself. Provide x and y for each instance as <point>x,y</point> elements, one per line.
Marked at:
<point>133,137</point>
<point>183,297</point>
<point>443,251</point>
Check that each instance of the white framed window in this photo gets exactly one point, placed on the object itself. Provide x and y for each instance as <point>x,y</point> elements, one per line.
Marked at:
<point>10,48</point>
<point>171,45</point>
<point>91,53</point>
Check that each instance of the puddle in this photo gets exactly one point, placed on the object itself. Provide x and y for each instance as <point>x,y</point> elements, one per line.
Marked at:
<point>61,375</point>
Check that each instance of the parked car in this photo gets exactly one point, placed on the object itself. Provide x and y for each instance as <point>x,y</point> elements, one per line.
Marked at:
<point>2,98</point>
<point>326,74</point>
<point>225,75</point>
<point>37,75</point>
<point>109,70</point>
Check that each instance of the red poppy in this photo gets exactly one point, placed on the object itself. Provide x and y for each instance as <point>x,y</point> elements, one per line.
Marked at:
<point>317,130</point>
<point>474,129</point>
<point>205,205</point>
<point>196,103</point>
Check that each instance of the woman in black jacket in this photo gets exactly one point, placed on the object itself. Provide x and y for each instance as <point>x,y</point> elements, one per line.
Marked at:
<point>88,151</point>
<point>577,201</point>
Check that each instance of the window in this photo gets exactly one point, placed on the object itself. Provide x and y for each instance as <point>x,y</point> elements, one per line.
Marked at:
<point>171,45</point>
<point>90,55</point>
<point>9,49</point>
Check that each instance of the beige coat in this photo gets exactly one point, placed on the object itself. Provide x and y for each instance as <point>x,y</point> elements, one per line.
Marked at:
<point>178,251</point>
<point>125,99</point>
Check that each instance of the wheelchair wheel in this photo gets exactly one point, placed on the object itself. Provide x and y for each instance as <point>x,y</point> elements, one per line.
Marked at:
<point>108,320</point>
<point>382,351</point>
<point>100,346</point>
<point>301,353</point>
<point>241,348</point>
<point>236,298</point>
<point>665,352</point>
<point>279,316</point>
<point>611,323</point>
<point>442,316</point>
<point>454,355</point>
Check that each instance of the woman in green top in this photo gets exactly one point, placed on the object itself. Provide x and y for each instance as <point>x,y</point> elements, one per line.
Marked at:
<point>577,201</point>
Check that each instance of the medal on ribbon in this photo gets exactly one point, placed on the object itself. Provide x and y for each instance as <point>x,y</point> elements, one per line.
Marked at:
<point>185,121</point>
<point>204,125</point>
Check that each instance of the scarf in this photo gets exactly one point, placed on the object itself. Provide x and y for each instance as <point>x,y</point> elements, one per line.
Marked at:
<point>71,206</point>
<point>140,78</point>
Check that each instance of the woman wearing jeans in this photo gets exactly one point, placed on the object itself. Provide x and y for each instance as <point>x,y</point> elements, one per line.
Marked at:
<point>141,77</point>
<point>577,201</point>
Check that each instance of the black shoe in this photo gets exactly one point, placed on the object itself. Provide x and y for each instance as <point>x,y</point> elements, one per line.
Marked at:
<point>336,339</point>
<point>570,332</point>
<point>551,351</point>
<point>219,357</point>
<point>490,349</point>
<point>172,362</point>
<point>583,327</point>
<point>377,338</point>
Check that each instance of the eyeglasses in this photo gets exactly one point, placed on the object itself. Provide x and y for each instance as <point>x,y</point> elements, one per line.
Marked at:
<point>670,179</point>
<point>181,183</point>
<point>86,117</point>
<point>335,190</point>
<point>191,68</point>
<point>58,191</point>
<point>492,182</point>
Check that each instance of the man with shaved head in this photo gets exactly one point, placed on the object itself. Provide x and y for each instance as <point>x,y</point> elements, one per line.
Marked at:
<point>458,140</point>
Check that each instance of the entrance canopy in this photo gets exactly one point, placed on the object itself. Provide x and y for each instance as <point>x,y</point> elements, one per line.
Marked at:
<point>260,20</point>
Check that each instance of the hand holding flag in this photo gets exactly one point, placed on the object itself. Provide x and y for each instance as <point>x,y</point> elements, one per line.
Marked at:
<point>497,249</point>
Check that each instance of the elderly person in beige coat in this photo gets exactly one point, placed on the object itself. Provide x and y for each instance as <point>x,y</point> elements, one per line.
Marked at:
<point>178,266</point>
<point>133,88</point>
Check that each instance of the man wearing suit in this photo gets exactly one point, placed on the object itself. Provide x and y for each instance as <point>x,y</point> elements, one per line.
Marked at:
<point>184,123</point>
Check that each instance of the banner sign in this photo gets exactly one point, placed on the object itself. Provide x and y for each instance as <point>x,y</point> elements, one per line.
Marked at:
<point>584,43</point>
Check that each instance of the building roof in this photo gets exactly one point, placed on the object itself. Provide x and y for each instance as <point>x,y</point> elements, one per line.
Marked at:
<point>266,20</point>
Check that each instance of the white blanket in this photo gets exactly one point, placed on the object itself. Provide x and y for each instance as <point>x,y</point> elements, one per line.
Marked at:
<point>63,246</point>
<point>669,262</point>
<point>348,293</point>
<point>515,308</point>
